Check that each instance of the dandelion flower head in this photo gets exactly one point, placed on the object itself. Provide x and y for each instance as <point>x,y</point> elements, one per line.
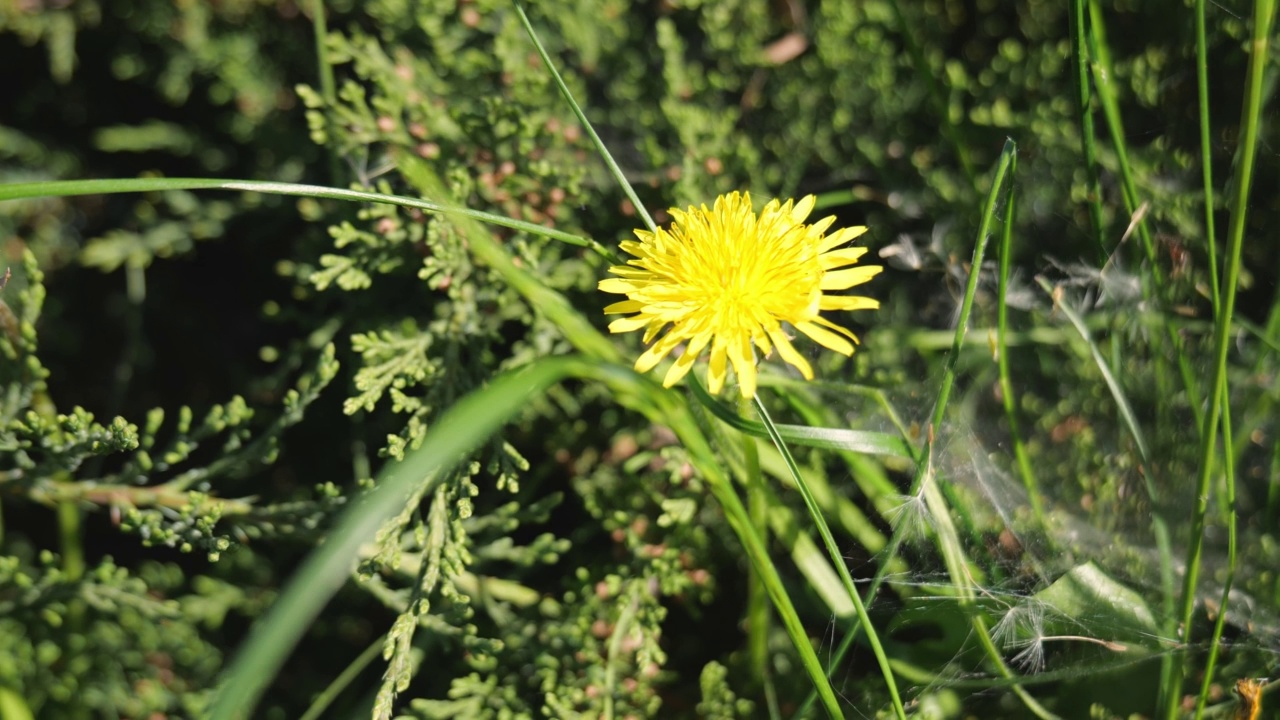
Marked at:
<point>727,278</point>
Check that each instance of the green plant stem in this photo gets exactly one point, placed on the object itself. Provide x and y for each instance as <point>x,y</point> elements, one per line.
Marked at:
<point>582,118</point>
<point>1215,640</point>
<point>340,683</point>
<point>1206,150</point>
<point>757,596</point>
<point>837,559</point>
<point>328,88</point>
<point>1002,358</point>
<point>1263,15</point>
<point>922,458</point>
<point>958,569</point>
<point>66,188</point>
<point>1080,65</point>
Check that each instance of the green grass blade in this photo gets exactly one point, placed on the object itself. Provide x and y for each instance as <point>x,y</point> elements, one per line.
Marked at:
<point>1002,360</point>
<point>1250,114</point>
<point>862,441</point>
<point>582,118</point>
<point>1103,73</point>
<point>1080,65</point>
<point>1117,393</point>
<point>923,459</point>
<point>340,683</point>
<point>758,616</point>
<point>459,431</point>
<point>837,558</point>
<point>66,188</point>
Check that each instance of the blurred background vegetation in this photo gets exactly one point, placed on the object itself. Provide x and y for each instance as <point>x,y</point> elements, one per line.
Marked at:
<point>194,383</point>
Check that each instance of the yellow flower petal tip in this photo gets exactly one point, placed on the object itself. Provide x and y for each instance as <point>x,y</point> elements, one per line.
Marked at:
<point>726,279</point>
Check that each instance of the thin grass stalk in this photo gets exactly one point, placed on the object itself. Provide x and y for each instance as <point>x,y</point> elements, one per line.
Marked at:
<point>1206,150</point>
<point>1230,457</point>
<point>328,88</point>
<point>1080,64</point>
<point>1250,113</point>
<point>1002,359</point>
<point>1215,641</point>
<point>921,457</point>
<point>586,124</point>
<point>758,508</point>
<point>340,683</point>
<point>925,74</point>
<point>837,559</point>
<point>1100,57</point>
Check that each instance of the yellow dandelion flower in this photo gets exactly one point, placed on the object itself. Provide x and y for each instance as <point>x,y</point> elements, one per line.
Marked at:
<point>728,279</point>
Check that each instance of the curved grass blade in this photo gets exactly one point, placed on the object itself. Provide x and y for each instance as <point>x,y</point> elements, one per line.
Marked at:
<point>1250,112</point>
<point>837,558</point>
<point>1009,395</point>
<point>66,188</point>
<point>924,465</point>
<point>459,431</point>
<point>582,118</point>
<point>863,441</point>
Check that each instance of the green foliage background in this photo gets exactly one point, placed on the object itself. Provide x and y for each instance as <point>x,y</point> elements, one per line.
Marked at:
<point>196,383</point>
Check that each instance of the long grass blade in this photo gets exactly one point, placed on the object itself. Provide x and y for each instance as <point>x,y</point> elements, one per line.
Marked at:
<point>67,188</point>
<point>824,531</point>
<point>1250,115</point>
<point>459,431</point>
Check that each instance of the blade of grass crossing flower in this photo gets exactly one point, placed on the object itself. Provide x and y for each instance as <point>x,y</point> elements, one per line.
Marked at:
<point>837,558</point>
<point>577,329</point>
<point>1080,64</point>
<point>1250,114</point>
<point>66,188</point>
<point>1002,357</point>
<point>459,431</point>
<point>582,118</point>
<point>998,186</point>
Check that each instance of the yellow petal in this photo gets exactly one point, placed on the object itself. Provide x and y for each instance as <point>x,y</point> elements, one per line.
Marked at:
<point>845,279</point>
<point>841,257</point>
<point>624,306</point>
<point>681,366</point>
<point>744,364</point>
<point>826,338</point>
<point>802,209</point>
<point>628,324</point>
<point>789,354</point>
<point>618,285</point>
<point>716,367</point>
<point>848,302</point>
<point>657,351</point>
<point>837,239</point>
